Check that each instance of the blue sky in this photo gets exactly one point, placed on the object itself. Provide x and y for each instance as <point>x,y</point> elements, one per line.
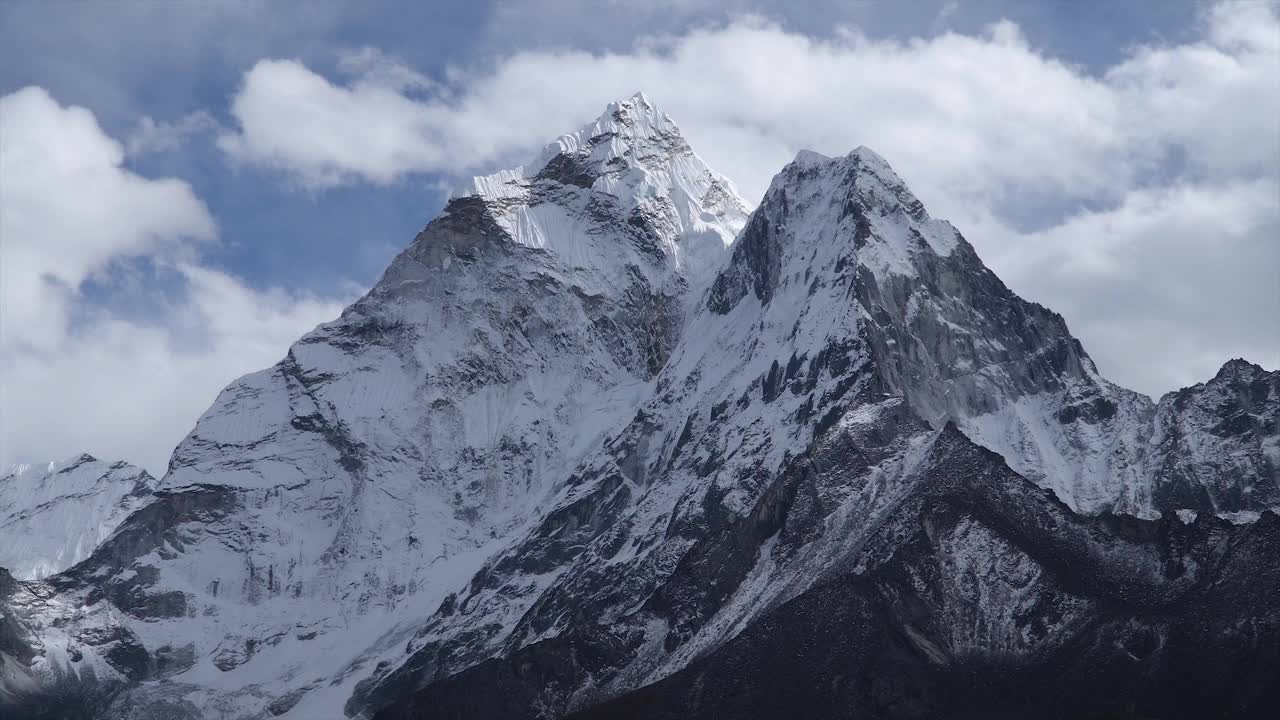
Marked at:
<point>164,60</point>
<point>1116,161</point>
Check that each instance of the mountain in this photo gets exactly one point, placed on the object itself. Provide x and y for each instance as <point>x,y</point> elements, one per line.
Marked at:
<point>847,331</point>
<point>320,505</point>
<point>600,439</point>
<point>977,595</point>
<point>53,516</point>
<point>1215,447</point>
<point>995,602</point>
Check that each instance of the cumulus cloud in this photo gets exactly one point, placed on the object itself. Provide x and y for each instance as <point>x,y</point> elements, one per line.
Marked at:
<point>1143,177</point>
<point>324,135</point>
<point>129,389</point>
<point>974,117</point>
<point>1167,285</point>
<point>77,375</point>
<point>957,104</point>
<point>70,209</point>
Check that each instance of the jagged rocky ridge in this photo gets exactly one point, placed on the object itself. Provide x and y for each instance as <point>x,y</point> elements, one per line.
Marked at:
<point>52,516</point>
<point>570,446</point>
<point>985,598</point>
<point>978,595</point>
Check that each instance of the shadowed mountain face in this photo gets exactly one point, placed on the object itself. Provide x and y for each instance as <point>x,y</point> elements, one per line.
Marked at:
<point>980,596</point>
<point>578,453</point>
<point>1216,446</point>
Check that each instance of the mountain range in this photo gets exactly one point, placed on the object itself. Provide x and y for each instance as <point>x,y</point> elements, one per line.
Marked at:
<point>604,441</point>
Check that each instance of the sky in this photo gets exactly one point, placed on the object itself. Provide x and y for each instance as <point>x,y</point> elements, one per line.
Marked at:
<point>186,188</point>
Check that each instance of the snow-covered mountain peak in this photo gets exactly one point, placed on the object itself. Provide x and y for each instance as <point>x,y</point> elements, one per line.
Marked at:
<point>821,219</point>
<point>844,243</point>
<point>864,179</point>
<point>624,125</point>
<point>632,146</point>
<point>48,468</point>
<point>53,515</point>
<point>1215,446</point>
<point>631,136</point>
<point>1239,369</point>
<point>630,165</point>
<point>866,159</point>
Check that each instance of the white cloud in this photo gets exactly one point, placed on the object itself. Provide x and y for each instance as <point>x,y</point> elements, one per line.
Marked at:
<point>70,209</point>
<point>157,137</point>
<point>1217,100</point>
<point>942,20</point>
<point>1169,284</point>
<point>974,117</point>
<point>124,389</point>
<point>1019,149</point>
<point>325,135</point>
<point>956,104</point>
<point>370,66</point>
<point>75,375</point>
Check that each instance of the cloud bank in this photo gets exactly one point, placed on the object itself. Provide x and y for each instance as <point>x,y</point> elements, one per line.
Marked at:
<point>1140,202</point>
<point>79,375</point>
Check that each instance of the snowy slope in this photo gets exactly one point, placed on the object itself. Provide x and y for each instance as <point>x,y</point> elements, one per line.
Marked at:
<point>52,516</point>
<point>636,167</point>
<point>318,506</point>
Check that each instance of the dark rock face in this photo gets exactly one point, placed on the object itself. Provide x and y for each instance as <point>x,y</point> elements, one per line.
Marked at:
<point>15,647</point>
<point>755,264</point>
<point>875,646</point>
<point>1214,446</point>
<point>156,527</point>
<point>566,169</point>
<point>989,599</point>
<point>159,528</point>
